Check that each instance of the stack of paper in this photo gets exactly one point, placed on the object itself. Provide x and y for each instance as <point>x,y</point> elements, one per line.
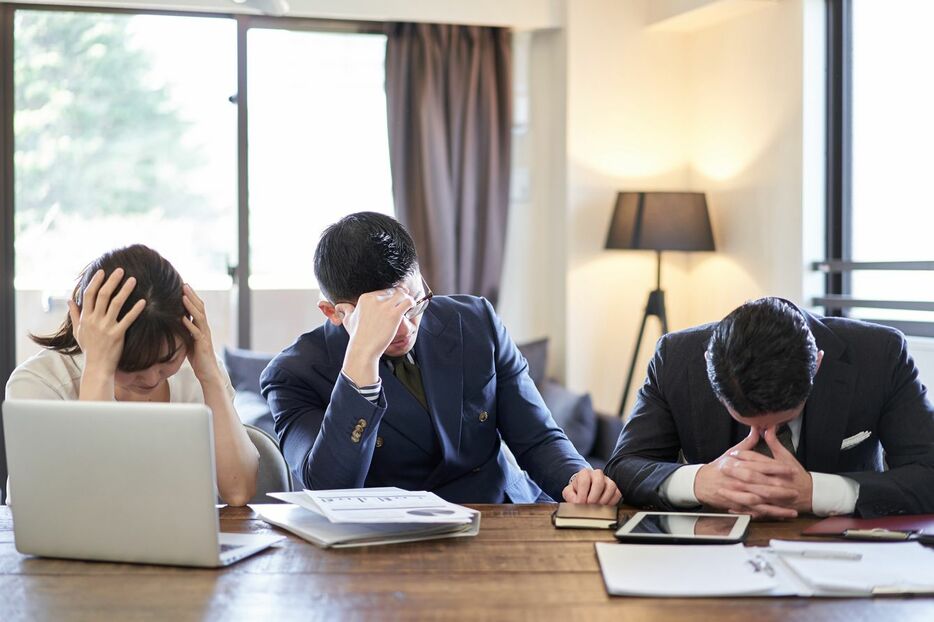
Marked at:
<point>785,568</point>
<point>829,568</point>
<point>679,570</point>
<point>368,516</point>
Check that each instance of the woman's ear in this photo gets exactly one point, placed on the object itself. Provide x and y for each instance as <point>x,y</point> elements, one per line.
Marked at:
<point>331,312</point>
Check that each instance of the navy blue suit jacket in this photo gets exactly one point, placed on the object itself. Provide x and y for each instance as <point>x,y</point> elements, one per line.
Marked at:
<point>478,390</point>
<point>867,382</point>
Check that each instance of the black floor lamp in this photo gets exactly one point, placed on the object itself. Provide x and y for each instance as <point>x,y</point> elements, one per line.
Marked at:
<point>658,221</point>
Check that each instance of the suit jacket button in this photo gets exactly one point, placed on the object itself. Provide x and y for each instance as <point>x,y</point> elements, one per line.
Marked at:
<point>379,441</point>
<point>361,423</point>
<point>355,437</point>
<point>483,416</point>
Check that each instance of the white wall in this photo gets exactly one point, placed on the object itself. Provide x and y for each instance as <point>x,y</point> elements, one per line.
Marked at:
<point>746,151</point>
<point>734,109</point>
<point>534,290</point>
<point>627,126</point>
<point>922,350</point>
<point>720,110</point>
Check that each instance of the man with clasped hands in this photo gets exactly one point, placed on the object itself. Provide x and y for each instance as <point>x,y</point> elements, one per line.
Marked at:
<point>776,412</point>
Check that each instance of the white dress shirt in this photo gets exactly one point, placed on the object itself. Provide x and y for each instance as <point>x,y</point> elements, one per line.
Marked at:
<point>830,494</point>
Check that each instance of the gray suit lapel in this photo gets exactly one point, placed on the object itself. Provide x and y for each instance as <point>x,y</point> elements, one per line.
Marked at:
<point>828,406</point>
<point>712,423</point>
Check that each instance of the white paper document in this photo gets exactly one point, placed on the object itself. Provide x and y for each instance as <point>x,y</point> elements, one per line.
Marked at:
<point>341,518</point>
<point>679,570</point>
<point>387,505</point>
<point>883,567</point>
<point>319,530</point>
<point>785,568</point>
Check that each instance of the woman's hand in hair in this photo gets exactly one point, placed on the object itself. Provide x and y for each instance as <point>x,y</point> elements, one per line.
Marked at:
<point>234,454</point>
<point>202,358</point>
<point>97,330</point>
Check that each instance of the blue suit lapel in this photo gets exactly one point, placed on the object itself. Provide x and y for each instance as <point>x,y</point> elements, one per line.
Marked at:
<point>405,414</point>
<point>439,351</point>
<point>336,340</point>
<point>440,354</point>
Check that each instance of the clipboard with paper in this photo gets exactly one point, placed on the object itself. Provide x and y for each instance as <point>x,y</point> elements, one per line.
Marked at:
<point>784,568</point>
<point>368,517</point>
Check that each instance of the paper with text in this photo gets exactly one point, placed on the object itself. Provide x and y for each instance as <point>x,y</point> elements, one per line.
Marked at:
<point>387,505</point>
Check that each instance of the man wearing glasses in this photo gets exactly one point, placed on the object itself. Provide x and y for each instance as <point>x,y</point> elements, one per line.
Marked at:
<point>402,388</point>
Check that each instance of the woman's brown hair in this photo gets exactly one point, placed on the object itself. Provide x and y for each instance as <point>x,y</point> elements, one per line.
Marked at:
<point>158,333</point>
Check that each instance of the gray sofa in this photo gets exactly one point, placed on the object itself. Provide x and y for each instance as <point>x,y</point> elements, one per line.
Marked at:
<point>593,434</point>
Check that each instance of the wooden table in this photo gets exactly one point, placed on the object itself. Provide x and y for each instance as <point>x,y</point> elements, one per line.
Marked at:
<point>518,567</point>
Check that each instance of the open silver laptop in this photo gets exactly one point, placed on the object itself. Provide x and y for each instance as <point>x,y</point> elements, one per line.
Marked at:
<point>117,481</point>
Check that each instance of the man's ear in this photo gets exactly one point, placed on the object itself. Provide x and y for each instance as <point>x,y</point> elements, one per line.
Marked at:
<point>330,311</point>
<point>820,357</point>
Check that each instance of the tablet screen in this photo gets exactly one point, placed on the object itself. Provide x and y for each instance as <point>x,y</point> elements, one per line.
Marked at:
<point>684,525</point>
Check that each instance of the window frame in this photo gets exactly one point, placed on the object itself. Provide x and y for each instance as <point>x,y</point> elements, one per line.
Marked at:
<point>838,266</point>
<point>239,273</point>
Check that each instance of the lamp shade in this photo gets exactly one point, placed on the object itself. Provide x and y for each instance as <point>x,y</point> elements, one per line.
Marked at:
<point>660,221</point>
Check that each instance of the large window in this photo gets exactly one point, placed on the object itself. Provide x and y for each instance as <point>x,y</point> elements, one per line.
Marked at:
<point>319,150</point>
<point>118,128</point>
<point>882,126</point>
<point>126,130</point>
<point>318,144</point>
<point>123,133</point>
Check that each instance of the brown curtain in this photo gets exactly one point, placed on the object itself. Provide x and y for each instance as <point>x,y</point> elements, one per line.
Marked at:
<point>449,94</point>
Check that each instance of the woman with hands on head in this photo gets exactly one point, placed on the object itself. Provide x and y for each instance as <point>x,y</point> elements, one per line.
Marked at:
<point>136,332</point>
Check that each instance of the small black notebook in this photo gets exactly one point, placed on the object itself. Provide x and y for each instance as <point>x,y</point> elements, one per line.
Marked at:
<point>582,516</point>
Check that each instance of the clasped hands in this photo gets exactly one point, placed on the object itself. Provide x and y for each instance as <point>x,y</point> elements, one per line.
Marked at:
<point>743,481</point>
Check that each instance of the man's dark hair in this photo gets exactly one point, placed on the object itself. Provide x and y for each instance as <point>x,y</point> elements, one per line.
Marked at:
<point>762,358</point>
<point>361,253</point>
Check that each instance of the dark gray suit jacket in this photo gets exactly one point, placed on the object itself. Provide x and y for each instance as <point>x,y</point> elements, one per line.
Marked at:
<point>866,382</point>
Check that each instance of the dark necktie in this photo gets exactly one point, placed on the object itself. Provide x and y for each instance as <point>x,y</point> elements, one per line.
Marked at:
<point>784,437</point>
<point>411,378</point>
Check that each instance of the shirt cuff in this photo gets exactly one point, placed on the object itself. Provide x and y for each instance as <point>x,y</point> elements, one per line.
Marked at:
<point>370,391</point>
<point>678,489</point>
<point>833,494</point>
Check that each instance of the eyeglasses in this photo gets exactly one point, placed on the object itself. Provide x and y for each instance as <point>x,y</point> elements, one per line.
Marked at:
<point>421,304</point>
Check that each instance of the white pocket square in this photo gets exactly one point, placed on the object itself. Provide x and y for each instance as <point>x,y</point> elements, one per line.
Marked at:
<point>856,439</point>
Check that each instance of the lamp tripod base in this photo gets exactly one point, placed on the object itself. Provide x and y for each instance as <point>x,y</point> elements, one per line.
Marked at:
<point>655,306</point>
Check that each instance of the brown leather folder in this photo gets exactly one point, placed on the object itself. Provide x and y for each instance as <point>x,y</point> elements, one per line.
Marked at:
<point>886,528</point>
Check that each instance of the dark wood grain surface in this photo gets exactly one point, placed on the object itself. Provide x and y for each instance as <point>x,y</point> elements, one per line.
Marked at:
<point>518,568</point>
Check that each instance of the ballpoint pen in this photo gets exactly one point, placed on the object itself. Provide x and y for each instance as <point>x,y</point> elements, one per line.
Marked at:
<point>812,554</point>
